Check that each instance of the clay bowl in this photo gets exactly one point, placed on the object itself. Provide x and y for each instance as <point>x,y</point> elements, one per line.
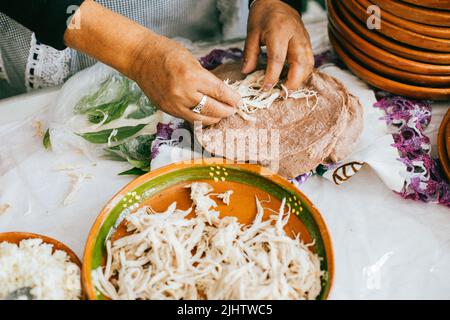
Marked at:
<point>338,14</point>
<point>402,76</point>
<point>444,144</point>
<point>397,32</point>
<point>432,4</point>
<point>386,44</point>
<point>447,139</point>
<point>386,84</point>
<point>423,29</point>
<point>414,13</point>
<point>16,237</point>
<point>162,187</point>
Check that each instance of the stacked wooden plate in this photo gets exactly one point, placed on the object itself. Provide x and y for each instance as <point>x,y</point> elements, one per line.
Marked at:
<point>409,54</point>
<point>444,144</point>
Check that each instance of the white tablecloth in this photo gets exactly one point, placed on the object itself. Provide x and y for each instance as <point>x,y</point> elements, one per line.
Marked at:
<point>385,247</point>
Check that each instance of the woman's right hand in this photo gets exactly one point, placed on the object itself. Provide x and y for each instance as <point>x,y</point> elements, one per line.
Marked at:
<point>168,74</point>
<point>176,82</point>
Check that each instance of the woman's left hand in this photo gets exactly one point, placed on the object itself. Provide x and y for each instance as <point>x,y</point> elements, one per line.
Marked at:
<point>279,27</point>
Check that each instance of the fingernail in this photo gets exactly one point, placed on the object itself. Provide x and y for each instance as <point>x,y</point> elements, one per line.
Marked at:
<point>267,87</point>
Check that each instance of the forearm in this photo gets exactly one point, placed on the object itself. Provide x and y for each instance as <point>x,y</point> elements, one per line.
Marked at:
<point>109,37</point>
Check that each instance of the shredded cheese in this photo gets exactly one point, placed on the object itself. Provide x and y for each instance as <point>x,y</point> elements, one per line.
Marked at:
<point>113,134</point>
<point>38,127</point>
<point>4,207</point>
<point>76,182</point>
<point>255,99</point>
<point>167,256</point>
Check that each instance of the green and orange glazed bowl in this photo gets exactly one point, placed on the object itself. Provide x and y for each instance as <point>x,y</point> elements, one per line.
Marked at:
<point>162,187</point>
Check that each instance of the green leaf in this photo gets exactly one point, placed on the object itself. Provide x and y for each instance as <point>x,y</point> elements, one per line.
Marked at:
<point>138,148</point>
<point>113,156</point>
<point>144,165</point>
<point>133,172</point>
<point>46,141</point>
<point>103,136</point>
<point>112,111</point>
<point>111,90</point>
<point>145,109</point>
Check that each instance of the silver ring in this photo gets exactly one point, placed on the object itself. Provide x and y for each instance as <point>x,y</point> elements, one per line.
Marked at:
<point>198,108</point>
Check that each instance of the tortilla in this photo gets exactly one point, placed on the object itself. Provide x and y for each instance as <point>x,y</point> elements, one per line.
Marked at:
<point>307,135</point>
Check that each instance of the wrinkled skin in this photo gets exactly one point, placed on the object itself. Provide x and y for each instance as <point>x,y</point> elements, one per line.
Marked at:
<point>280,28</point>
<point>176,82</point>
<point>168,73</point>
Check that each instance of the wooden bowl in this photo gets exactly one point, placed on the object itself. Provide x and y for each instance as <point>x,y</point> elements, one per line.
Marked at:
<point>384,43</point>
<point>388,84</point>
<point>17,237</point>
<point>162,187</point>
<point>414,13</point>
<point>374,65</point>
<point>432,4</point>
<point>447,138</point>
<point>396,32</point>
<point>432,31</point>
<point>338,14</point>
<point>444,144</point>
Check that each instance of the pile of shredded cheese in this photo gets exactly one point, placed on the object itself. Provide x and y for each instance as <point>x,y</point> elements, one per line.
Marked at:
<point>255,99</point>
<point>33,264</point>
<point>168,256</point>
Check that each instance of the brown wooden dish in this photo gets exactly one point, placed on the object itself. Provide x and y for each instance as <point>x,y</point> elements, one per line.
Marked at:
<point>388,84</point>
<point>414,13</point>
<point>447,138</point>
<point>388,44</point>
<point>444,144</point>
<point>432,31</point>
<point>398,33</point>
<point>375,52</point>
<point>432,4</point>
<point>403,76</point>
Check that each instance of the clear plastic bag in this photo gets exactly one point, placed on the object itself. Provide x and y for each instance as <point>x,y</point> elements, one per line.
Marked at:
<point>103,114</point>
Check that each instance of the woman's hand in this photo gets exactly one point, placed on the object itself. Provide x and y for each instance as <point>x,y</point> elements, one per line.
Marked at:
<point>176,82</point>
<point>168,74</point>
<point>280,28</point>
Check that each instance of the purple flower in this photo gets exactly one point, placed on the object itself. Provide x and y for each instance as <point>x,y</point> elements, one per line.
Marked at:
<point>164,134</point>
<point>164,131</point>
<point>327,57</point>
<point>218,56</point>
<point>408,119</point>
<point>302,178</point>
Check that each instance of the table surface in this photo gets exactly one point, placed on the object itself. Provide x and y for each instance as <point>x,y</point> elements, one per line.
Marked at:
<point>385,247</point>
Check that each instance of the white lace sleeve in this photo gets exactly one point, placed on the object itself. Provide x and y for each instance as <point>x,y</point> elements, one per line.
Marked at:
<point>46,66</point>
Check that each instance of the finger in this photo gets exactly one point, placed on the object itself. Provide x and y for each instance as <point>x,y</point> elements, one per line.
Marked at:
<point>251,52</point>
<point>192,117</point>
<point>217,89</point>
<point>301,64</point>
<point>216,109</point>
<point>276,56</point>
